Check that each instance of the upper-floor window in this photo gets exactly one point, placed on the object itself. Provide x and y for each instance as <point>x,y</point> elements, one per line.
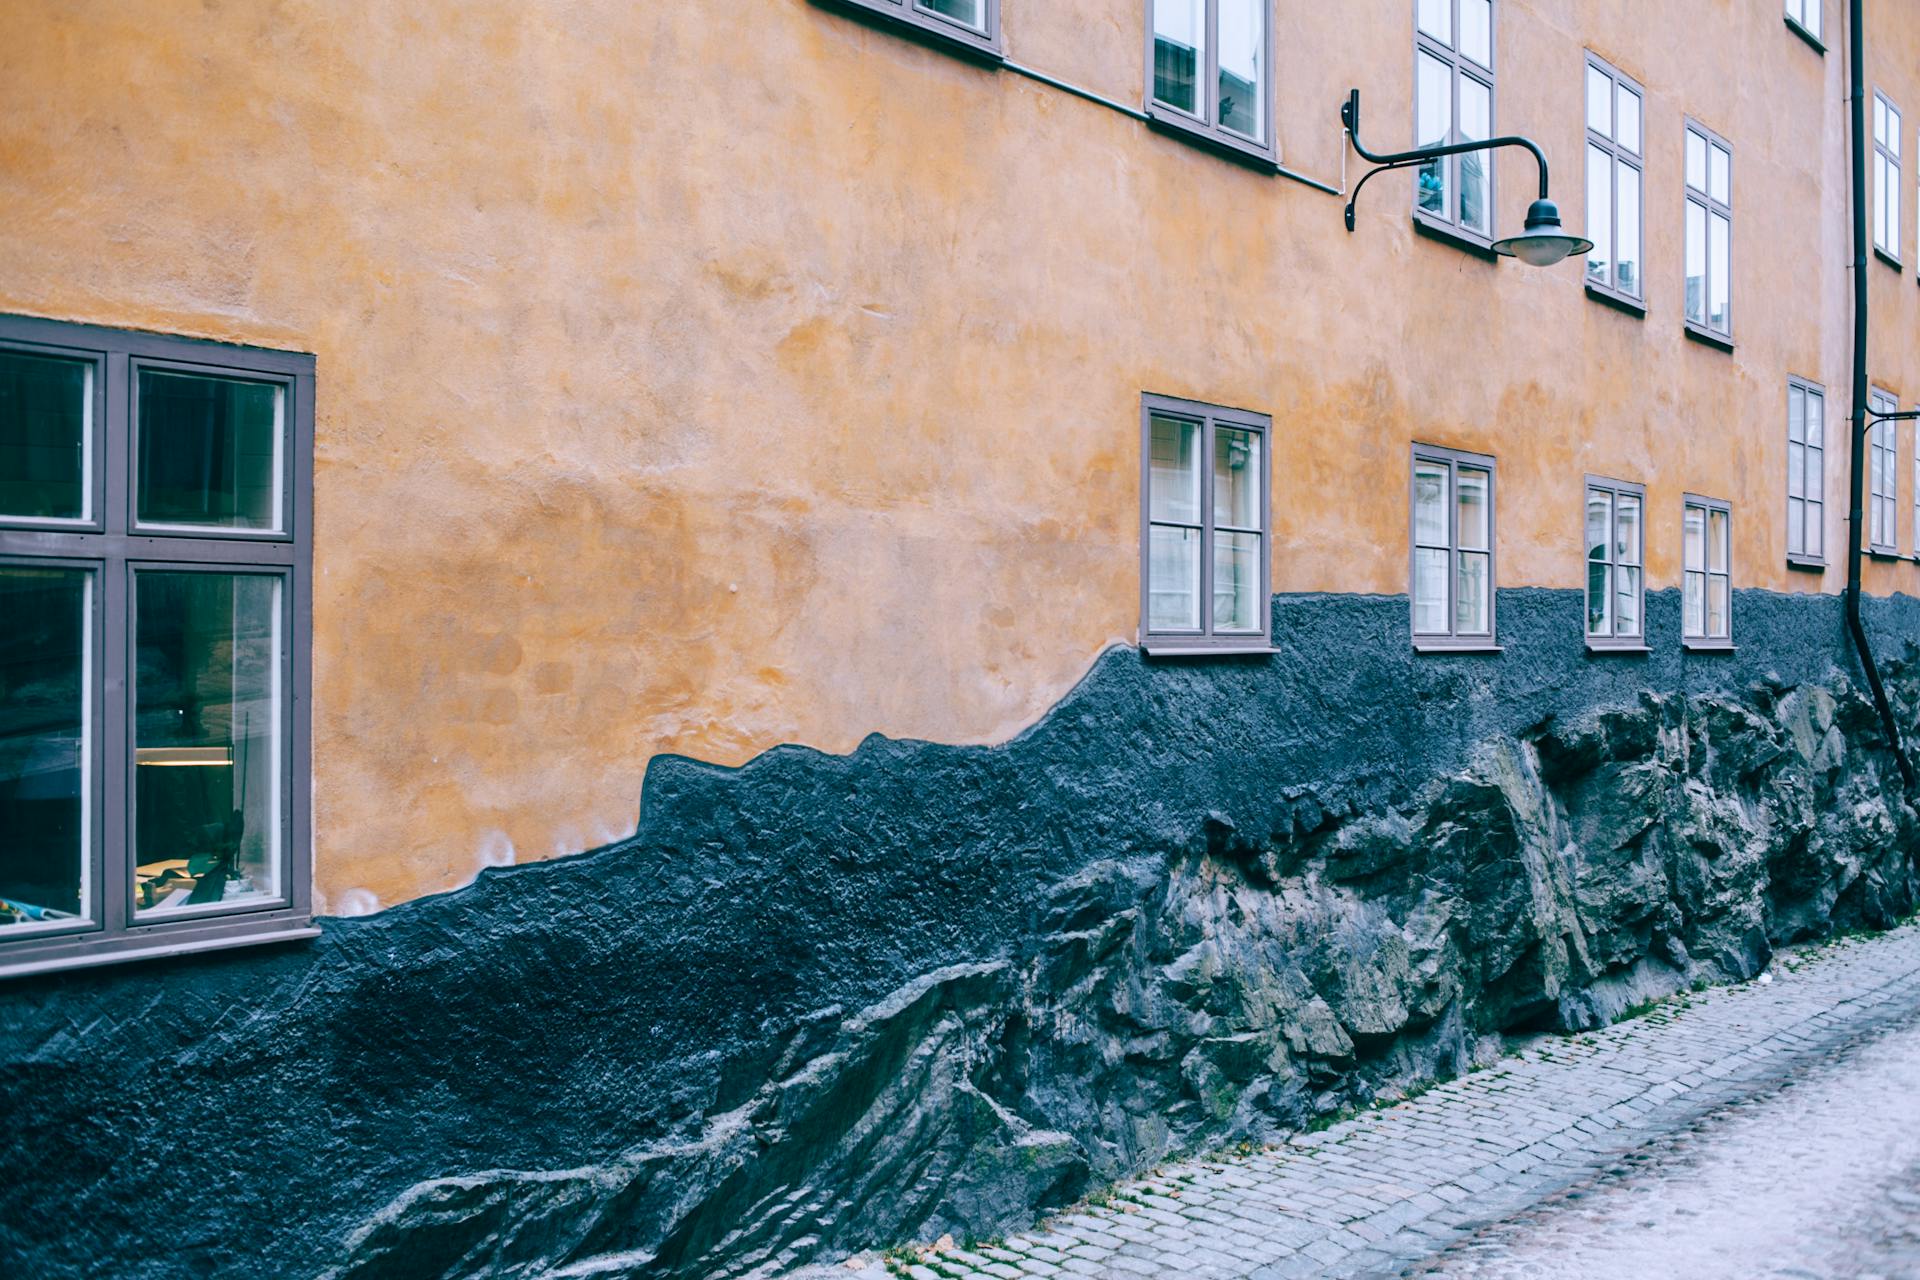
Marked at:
<point>1205,576</point>
<point>1883,472</point>
<point>1886,177</point>
<point>1613,181</point>
<point>1207,65</point>
<point>1806,473</point>
<point>1706,605</point>
<point>1709,207</point>
<point>1453,102</point>
<point>1616,581</point>
<point>1452,536</point>
<point>1805,15</point>
<point>154,524</point>
<point>973,24</point>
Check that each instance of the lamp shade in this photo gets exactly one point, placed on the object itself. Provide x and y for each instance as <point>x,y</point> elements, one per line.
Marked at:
<point>1543,241</point>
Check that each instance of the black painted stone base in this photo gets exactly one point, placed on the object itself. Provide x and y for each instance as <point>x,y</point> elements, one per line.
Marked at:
<point>822,1002</point>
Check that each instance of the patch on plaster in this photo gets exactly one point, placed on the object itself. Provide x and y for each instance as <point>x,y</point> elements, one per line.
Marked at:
<point>358,902</point>
<point>495,851</point>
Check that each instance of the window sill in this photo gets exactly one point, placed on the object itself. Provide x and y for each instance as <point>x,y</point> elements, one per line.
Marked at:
<point>1598,646</point>
<point>1177,650</point>
<point>1188,130</point>
<point>1619,301</point>
<point>1807,35</point>
<point>1708,337</point>
<point>1707,646</point>
<point>1447,233</point>
<point>1422,644</point>
<point>1884,553</point>
<point>1807,564</point>
<point>1888,258</point>
<point>903,20</point>
<point>89,951</point>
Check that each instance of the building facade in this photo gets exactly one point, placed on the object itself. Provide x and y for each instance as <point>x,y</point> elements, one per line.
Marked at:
<point>425,425</point>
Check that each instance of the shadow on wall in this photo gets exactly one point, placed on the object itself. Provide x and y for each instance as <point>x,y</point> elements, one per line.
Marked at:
<point>819,1002</point>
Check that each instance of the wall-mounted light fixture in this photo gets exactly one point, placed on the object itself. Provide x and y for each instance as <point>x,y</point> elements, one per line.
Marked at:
<point>1542,241</point>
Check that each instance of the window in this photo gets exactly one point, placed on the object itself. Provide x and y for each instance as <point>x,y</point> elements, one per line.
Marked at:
<point>154,523</point>
<point>1804,17</point>
<point>1709,235</point>
<point>1883,473</point>
<point>1706,538</point>
<point>971,24</point>
<point>1886,178</point>
<point>1204,581</point>
<point>1207,68</point>
<point>1452,536</point>
<point>1616,578</point>
<point>1453,102</point>
<point>1806,474</point>
<point>1613,182</point>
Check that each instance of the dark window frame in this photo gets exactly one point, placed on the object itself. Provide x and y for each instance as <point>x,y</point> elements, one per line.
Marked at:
<point>1608,289</point>
<point>1703,642</point>
<point>1809,392</point>
<point>1453,640</point>
<point>1616,641</point>
<point>1203,128</point>
<point>1883,456</point>
<point>914,17</point>
<point>1886,157</point>
<point>1178,642</point>
<point>115,550</point>
<point>1690,195</point>
<point>1460,65</point>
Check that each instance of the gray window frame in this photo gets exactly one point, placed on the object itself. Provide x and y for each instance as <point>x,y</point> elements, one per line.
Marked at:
<point>1452,640</point>
<point>1887,155</point>
<point>1809,391</point>
<point>1616,641</point>
<point>115,550</point>
<point>1704,330</point>
<point>1451,228</point>
<point>1207,130</point>
<point>1609,290</point>
<point>1703,643</point>
<point>1796,23</point>
<point>1883,449</point>
<point>916,17</point>
<point>1183,642</point>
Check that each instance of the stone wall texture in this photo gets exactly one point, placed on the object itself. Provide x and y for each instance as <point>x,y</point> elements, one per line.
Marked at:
<point>820,1001</point>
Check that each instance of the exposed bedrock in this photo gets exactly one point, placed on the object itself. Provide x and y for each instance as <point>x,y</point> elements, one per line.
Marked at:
<point>823,1002</point>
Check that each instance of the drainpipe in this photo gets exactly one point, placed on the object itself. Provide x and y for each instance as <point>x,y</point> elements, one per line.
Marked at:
<point>1857,466</point>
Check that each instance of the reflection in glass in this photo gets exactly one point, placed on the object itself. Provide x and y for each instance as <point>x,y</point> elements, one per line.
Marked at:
<point>1627,268</point>
<point>1693,538</point>
<point>1717,541</point>
<point>1173,579</point>
<point>1236,478</point>
<point>1476,30</point>
<point>1175,492</point>
<point>968,13</point>
<point>1433,90</point>
<point>1718,314</point>
<point>1476,120</point>
<point>1236,581</point>
<point>1627,601</point>
<point>45,746</point>
<point>1179,50</point>
<point>1599,211</point>
<point>1473,518</point>
<point>1694,604</point>
<point>1599,576</point>
<point>1243,53</point>
<point>1627,131</point>
<point>1430,590</point>
<point>207,741</point>
<point>1429,504</point>
<point>1472,603</point>
<point>1627,530</point>
<point>1696,263</point>
<point>1720,184</point>
<point>210,451</point>
<point>1718,607</point>
<point>46,429</point>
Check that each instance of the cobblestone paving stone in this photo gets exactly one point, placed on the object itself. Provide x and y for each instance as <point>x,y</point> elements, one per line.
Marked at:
<point>1386,1191</point>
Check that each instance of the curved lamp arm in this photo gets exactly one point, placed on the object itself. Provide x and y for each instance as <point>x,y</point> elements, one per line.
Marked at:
<point>1350,117</point>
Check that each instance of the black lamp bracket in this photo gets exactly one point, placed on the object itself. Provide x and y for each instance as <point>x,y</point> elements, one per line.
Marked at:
<point>1350,117</point>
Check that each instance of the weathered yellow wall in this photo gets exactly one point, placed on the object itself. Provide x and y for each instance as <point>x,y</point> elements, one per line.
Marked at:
<point>699,377</point>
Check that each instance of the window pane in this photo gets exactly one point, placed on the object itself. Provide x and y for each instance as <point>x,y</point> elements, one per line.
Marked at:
<point>1430,591</point>
<point>207,742</point>
<point>209,451</point>
<point>1436,19</point>
<point>1173,579</point>
<point>1717,541</point>
<point>1628,130</point>
<point>1816,528</point>
<point>1626,548</point>
<point>1719,312</point>
<point>1816,415</point>
<point>1179,49</point>
<point>1237,589</point>
<point>1627,268</point>
<point>1599,102</point>
<point>1476,31</point>
<point>1430,504</point>
<point>1243,72</point>
<point>1599,212</point>
<point>1236,478</point>
<point>1476,121</point>
<point>1796,414</point>
<point>1626,601</point>
<point>1879,120</point>
<point>1893,132</point>
<point>1696,161</point>
<point>46,412</point>
<point>1796,470</point>
<point>45,746</point>
<point>1474,515</point>
<point>968,13</point>
<point>1175,488</point>
<point>1696,263</point>
<point>1893,214</point>
<point>1816,473</point>
<point>1434,91</point>
<point>1599,523</point>
<point>1693,539</point>
<point>1721,186</point>
<point>1796,526</point>
<point>1471,609</point>
<point>1694,604</point>
<point>1719,607</point>
<point>1880,188</point>
<point>1599,598</point>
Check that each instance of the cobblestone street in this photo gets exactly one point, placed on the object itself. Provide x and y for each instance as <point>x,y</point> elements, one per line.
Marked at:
<point>1767,1129</point>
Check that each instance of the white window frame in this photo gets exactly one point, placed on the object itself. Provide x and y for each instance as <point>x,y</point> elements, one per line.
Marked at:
<point>1616,637</point>
<point>1703,640</point>
<point>1806,454</point>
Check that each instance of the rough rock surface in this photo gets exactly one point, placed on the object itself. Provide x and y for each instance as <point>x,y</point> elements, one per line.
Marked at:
<point>820,1002</point>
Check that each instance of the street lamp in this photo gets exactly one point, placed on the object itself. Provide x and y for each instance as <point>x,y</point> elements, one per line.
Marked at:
<point>1541,242</point>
